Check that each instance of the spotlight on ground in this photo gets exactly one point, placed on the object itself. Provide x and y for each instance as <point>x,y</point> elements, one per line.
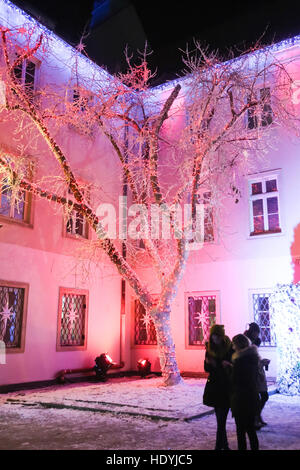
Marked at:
<point>103,363</point>
<point>144,367</point>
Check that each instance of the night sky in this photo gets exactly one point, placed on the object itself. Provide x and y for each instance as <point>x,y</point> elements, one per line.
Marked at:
<point>170,24</point>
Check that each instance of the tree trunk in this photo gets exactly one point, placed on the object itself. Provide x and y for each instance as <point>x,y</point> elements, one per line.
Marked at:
<point>166,346</point>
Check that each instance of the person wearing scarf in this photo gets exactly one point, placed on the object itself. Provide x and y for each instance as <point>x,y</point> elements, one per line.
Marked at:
<point>217,389</point>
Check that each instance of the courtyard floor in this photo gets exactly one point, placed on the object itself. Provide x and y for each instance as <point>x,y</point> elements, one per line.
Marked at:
<point>131,414</point>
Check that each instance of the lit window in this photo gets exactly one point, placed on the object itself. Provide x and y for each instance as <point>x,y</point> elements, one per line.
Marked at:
<point>144,329</point>
<point>26,74</point>
<point>261,313</point>
<point>202,311</point>
<point>204,198</point>
<point>72,324</point>
<point>264,206</point>
<point>260,115</point>
<point>13,306</point>
<point>14,206</point>
<point>76,223</point>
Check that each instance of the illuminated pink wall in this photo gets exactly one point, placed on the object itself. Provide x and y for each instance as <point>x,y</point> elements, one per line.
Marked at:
<point>46,260</point>
<point>234,265</point>
<point>237,265</point>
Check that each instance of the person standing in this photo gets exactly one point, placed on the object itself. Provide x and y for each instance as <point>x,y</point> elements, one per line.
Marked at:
<point>253,333</point>
<point>216,393</point>
<point>244,393</point>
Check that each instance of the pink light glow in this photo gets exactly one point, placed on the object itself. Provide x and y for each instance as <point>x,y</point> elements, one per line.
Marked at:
<point>108,358</point>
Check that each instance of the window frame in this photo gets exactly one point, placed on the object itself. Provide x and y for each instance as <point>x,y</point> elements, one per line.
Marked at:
<point>207,293</point>
<point>27,220</point>
<point>66,218</point>
<point>207,207</point>
<point>25,286</point>
<point>252,318</point>
<point>257,116</point>
<point>133,316</point>
<point>68,290</point>
<point>37,64</point>
<point>263,178</point>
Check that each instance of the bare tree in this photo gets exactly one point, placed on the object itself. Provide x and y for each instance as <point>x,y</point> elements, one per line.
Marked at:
<point>201,132</point>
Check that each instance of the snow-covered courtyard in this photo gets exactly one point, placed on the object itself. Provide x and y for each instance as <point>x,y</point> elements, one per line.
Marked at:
<point>132,414</point>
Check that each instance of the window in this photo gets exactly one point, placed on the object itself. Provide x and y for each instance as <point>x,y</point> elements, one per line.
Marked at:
<point>264,205</point>
<point>201,315</point>
<point>261,314</point>
<point>72,319</point>
<point>208,217</point>
<point>14,206</point>
<point>76,223</point>
<point>144,329</point>
<point>82,99</point>
<point>262,116</point>
<point>13,309</point>
<point>26,74</point>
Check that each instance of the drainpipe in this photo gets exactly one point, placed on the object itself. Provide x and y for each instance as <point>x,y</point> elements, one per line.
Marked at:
<point>123,282</point>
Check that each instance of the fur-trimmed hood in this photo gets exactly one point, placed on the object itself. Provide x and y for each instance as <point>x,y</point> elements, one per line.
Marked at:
<point>250,351</point>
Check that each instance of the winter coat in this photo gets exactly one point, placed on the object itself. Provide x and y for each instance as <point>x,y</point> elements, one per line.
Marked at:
<point>262,379</point>
<point>244,390</point>
<point>217,388</point>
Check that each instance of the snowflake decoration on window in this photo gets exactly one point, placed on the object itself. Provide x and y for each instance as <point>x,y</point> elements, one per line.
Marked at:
<point>202,318</point>
<point>5,315</point>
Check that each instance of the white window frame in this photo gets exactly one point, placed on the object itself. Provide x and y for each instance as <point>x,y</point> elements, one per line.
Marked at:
<point>258,114</point>
<point>266,292</point>
<point>215,293</point>
<point>263,178</point>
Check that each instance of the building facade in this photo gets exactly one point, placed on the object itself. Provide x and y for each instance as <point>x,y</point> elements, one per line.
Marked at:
<point>59,310</point>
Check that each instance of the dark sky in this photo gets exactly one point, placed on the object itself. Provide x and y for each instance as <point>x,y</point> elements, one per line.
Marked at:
<point>170,24</point>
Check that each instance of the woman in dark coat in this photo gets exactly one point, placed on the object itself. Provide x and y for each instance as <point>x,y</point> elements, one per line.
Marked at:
<point>244,393</point>
<point>253,333</point>
<point>216,392</point>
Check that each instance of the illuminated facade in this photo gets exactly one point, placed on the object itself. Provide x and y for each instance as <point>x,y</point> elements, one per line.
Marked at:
<point>55,317</point>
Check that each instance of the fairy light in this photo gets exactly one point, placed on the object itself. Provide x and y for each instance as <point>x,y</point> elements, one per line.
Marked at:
<point>285,319</point>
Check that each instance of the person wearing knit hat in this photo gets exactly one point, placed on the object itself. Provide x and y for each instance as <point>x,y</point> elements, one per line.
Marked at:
<point>217,389</point>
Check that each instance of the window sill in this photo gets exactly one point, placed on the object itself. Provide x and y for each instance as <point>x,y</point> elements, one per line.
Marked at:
<point>75,236</point>
<point>144,346</point>
<point>10,220</point>
<point>267,233</point>
<point>70,348</point>
<point>200,347</point>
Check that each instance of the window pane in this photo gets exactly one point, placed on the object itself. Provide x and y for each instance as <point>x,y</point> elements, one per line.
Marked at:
<point>267,114</point>
<point>256,188</point>
<point>70,225</point>
<point>79,224</point>
<point>272,205</point>
<point>257,207</point>
<point>271,185</point>
<point>259,223</point>
<point>273,222</point>
<point>5,202</point>
<point>202,315</point>
<point>29,76</point>
<point>144,331</point>
<point>19,209</point>
<point>261,309</point>
<point>73,311</point>
<point>11,315</point>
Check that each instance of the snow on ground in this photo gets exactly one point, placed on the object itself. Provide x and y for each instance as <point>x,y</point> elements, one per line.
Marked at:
<point>133,414</point>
